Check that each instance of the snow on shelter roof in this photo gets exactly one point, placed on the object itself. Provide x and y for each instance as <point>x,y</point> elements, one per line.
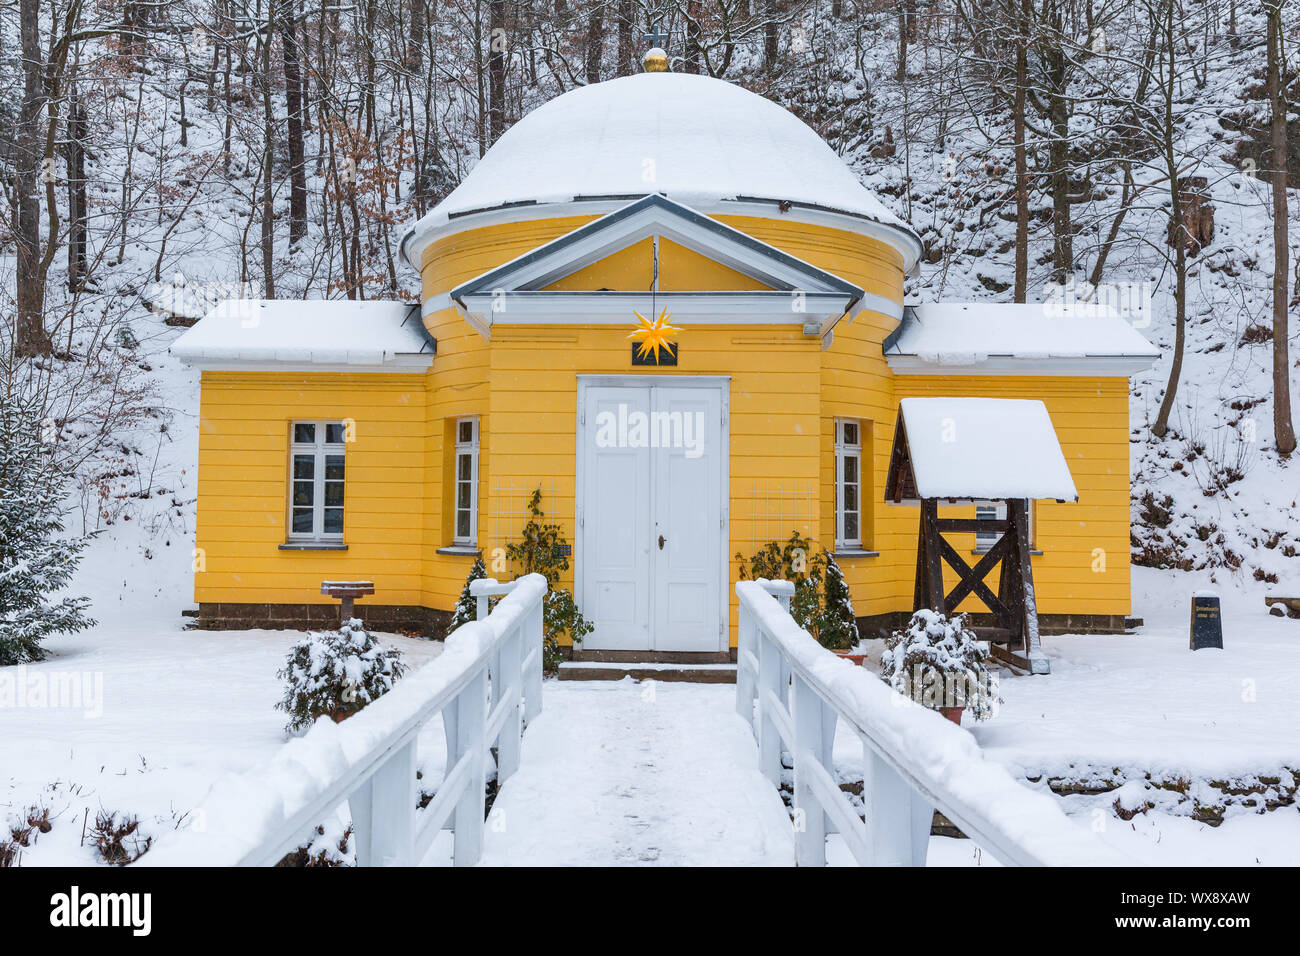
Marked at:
<point>333,333</point>
<point>984,336</point>
<point>695,139</point>
<point>983,448</point>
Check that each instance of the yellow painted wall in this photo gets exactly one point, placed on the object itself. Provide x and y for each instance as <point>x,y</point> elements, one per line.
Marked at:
<point>244,420</point>
<point>786,392</point>
<point>1090,416</point>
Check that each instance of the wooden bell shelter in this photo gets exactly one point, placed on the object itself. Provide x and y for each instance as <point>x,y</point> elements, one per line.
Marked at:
<point>979,451</point>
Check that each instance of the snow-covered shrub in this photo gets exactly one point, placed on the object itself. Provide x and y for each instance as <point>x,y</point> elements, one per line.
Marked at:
<point>336,673</point>
<point>36,560</point>
<point>838,625</point>
<point>467,606</point>
<point>821,604</point>
<point>937,662</point>
<point>543,550</point>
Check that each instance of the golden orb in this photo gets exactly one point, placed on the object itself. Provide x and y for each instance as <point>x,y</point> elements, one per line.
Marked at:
<point>655,60</point>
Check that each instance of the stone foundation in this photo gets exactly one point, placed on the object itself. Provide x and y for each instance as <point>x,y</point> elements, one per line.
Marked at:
<point>428,622</point>
<point>878,625</point>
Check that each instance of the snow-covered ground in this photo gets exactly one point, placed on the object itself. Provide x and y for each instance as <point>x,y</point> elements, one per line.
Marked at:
<point>662,773</point>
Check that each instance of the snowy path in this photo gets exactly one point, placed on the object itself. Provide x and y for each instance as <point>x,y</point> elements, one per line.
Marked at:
<point>638,774</point>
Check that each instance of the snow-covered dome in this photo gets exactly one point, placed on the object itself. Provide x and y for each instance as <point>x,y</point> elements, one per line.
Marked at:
<point>697,140</point>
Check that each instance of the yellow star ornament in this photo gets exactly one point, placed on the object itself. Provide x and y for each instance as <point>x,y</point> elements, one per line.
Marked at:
<point>653,336</point>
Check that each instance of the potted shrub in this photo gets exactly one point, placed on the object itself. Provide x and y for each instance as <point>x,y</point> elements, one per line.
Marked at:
<point>937,662</point>
<point>821,604</point>
<point>335,673</point>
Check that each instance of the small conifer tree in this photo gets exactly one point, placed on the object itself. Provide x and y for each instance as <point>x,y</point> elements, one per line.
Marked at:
<point>36,560</point>
<point>467,606</point>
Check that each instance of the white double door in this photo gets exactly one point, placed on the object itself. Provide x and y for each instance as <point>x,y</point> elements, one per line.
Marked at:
<point>652,514</point>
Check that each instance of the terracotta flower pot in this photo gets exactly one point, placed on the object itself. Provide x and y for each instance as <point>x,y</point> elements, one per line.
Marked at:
<point>952,713</point>
<point>850,655</point>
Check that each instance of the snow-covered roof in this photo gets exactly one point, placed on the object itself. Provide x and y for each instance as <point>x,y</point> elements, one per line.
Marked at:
<point>324,334</point>
<point>695,139</point>
<point>983,448</point>
<point>984,337</point>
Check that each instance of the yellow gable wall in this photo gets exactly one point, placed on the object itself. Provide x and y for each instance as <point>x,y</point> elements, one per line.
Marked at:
<point>632,270</point>
<point>785,392</point>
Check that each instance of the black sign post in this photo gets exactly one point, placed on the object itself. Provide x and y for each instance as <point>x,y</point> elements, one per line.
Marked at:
<point>1207,624</point>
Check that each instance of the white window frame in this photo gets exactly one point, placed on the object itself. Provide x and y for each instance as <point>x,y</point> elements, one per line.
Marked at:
<point>843,450</point>
<point>462,449</point>
<point>319,449</point>
<point>999,508</point>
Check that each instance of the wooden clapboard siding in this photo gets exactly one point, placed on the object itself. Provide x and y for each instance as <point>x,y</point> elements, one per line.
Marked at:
<point>244,421</point>
<point>1090,416</point>
<point>786,390</point>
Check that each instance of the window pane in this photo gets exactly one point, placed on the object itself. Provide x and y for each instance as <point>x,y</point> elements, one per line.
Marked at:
<point>304,432</point>
<point>334,434</point>
<point>462,524</point>
<point>851,526</point>
<point>333,520</point>
<point>850,433</point>
<point>304,467</point>
<point>465,467</point>
<point>465,432</point>
<point>333,494</point>
<point>303,493</point>
<point>850,468</point>
<point>851,498</point>
<point>333,467</point>
<point>302,520</point>
<point>462,495</point>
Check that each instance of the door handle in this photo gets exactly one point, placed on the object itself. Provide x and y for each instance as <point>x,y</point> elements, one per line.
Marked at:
<point>661,542</point>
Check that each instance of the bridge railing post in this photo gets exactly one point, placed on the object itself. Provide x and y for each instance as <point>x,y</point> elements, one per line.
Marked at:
<point>532,650</point>
<point>769,693</point>
<point>898,817</point>
<point>471,719</point>
<point>746,652</point>
<point>510,678</point>
<point>383,812</point>
<point>810,819</point>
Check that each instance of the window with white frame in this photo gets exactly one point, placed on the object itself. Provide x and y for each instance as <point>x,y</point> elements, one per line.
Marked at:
<point>848,483</point>
<point>466,489</point>
<point>986,539</point>
<point>316,469</point>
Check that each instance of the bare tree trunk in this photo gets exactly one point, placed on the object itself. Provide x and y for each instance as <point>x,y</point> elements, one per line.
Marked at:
<point>415,37</point>
<point>30,336</point>
<point>293,103</point>
<point>595,42</point>
<point>1177,228</point>
<point>1058,157</point>
<point>1283,428</point>
<point>496,70</point>
<point>76,159</point>
<point>693,36</point>
<point>626,53</point>
<point>1022,162</point>
<point>268,190</point>
<point>769,36</point>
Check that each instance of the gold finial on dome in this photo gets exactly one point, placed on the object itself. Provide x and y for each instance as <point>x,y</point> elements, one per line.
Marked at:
<point>655,59</point>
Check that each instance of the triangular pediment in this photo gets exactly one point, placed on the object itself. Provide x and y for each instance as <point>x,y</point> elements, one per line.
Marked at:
<point>724,259</point>
<point>633,269</point>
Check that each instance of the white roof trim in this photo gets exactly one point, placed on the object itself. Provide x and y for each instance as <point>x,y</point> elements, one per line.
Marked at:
<point>1104,366</point>
<point>899,238</point>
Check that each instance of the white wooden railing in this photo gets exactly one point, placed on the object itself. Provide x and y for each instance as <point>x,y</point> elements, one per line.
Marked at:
<point>486,684</point>
<point>794,692</point>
